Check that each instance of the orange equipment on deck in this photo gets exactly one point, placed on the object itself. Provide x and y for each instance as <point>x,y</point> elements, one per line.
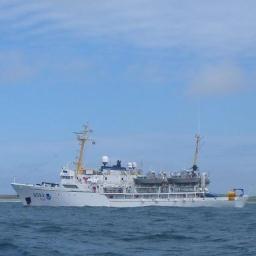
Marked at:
<point>231,195</point>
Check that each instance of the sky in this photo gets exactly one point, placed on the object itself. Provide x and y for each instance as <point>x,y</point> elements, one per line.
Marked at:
<point>147,76</point>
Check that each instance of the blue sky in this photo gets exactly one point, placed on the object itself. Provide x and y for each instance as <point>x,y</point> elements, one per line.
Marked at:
<point>136,71</point>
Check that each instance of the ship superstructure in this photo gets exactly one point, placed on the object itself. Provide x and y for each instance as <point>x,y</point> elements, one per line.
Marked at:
<point>119,186</point>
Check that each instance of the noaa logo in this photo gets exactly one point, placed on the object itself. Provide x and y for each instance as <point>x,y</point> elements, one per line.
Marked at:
<point>48,197</point>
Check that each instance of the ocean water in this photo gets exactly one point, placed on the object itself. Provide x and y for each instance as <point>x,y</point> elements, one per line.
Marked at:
<point>135,231</point>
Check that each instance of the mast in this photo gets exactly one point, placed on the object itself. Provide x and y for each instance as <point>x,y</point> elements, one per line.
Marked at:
<point>82,137</point>
<point>198,139</point>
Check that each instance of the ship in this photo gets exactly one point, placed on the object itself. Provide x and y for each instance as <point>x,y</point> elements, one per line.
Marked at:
<point>115,185</point>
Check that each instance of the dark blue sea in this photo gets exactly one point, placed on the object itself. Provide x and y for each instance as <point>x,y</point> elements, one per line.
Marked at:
<point>136,231</point>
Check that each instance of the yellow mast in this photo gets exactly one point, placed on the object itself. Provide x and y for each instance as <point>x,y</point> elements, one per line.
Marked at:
<point>82,137</point>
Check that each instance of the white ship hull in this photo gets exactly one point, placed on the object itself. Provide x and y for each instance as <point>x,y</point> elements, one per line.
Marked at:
<point>45,196</point>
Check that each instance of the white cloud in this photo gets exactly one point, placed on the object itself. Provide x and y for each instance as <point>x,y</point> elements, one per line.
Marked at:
<point>218,80</point>
<point>14,68</point>
<point>214,26</point>
<point>205,27</point>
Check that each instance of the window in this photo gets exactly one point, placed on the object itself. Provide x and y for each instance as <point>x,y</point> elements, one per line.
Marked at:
<point>70,186</point>
<point>66,177</point>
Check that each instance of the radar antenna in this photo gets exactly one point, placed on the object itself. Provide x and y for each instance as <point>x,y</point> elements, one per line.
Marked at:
<point>82,137</point>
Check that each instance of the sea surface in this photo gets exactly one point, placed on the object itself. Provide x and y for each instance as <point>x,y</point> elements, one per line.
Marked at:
<point>61,231</point>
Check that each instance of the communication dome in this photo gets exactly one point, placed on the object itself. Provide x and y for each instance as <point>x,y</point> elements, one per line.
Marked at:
<point>105,160</point>
<point>134,165</point>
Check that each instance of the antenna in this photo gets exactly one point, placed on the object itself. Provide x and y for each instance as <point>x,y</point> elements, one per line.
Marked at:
<point>197,136</point>
<point>199,116</point>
